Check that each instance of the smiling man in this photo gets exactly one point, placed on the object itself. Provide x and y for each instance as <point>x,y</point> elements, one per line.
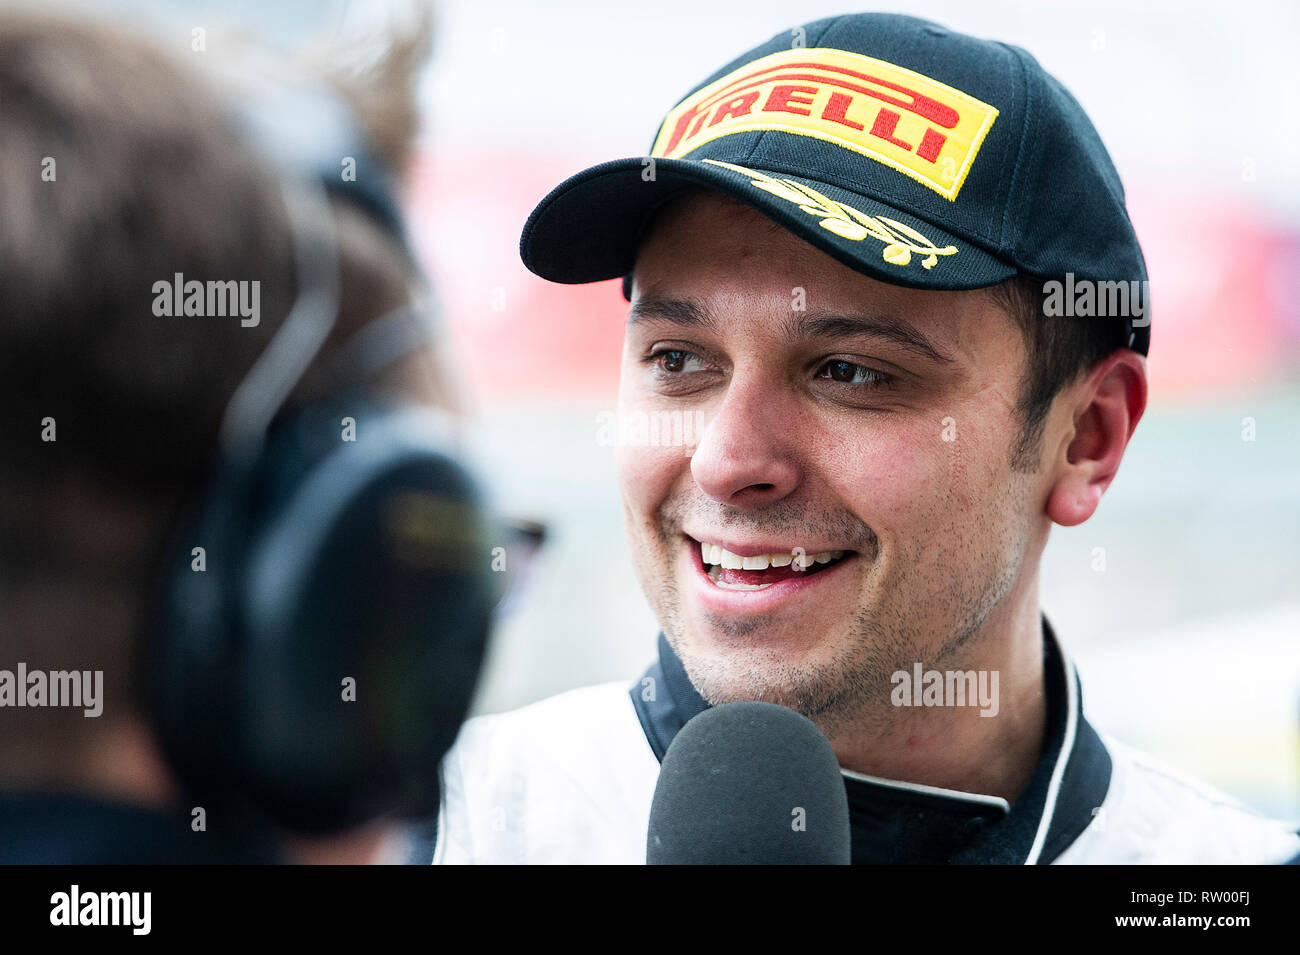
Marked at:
<point>837,257</point>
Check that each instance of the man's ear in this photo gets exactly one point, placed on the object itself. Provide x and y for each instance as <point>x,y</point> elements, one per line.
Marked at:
<point>1104,409</point>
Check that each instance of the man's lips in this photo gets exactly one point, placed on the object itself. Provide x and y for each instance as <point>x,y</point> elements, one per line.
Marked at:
<point>759,567</point>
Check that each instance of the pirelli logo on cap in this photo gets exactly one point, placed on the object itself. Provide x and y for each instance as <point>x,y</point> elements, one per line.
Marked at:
<point>922,128</point>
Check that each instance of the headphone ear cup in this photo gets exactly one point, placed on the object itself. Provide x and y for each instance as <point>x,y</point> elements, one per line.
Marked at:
<point>365,607</point>
<point>315,668</point>
<point>188,661</point>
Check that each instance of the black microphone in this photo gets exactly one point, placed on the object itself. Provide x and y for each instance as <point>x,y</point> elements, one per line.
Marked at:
<point>749,784</point>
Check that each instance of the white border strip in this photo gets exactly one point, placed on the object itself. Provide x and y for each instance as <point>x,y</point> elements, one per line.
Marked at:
<point>995,801</point>
<point>1062,758</point>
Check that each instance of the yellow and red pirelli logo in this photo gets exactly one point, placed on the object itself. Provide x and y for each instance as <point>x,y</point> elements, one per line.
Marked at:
<point>919,126</point>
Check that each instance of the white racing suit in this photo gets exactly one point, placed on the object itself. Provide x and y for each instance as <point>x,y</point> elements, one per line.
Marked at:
<point>570,779</point>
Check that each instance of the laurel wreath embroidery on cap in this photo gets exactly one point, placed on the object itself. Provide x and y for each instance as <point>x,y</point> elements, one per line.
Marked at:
<point>845,221</point>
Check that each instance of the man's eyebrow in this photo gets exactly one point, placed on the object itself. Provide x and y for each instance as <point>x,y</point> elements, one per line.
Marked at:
<point>692,314</point>
<point>679,311</point>
<point>888,327</point>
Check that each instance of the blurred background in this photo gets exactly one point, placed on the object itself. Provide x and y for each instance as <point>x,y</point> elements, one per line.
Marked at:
<point>1180,599</point>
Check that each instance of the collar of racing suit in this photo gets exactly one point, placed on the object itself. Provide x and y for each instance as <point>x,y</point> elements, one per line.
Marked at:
<point>905,823</point>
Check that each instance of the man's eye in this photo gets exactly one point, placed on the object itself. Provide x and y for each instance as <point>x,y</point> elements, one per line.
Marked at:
<point>851,373</point>
<point>675,360</point>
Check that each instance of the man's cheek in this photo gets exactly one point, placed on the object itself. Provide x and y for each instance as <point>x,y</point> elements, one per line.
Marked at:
<point>974,463</point>
<point>646,474</point>
<point>892,470</point>
<point>631,481</point>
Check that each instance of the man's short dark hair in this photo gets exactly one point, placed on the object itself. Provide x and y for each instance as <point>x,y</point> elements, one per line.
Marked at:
<point>1059,350</point>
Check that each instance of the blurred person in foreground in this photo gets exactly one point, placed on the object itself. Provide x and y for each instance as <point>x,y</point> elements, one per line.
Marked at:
<point>122,166</point>
<point>839,256</point>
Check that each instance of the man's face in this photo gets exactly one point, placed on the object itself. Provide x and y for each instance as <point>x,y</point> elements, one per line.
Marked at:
<point>865,430</point>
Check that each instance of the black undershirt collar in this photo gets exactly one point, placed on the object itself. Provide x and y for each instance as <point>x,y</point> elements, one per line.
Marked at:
<point>85,829</point>
<point>902,823</point>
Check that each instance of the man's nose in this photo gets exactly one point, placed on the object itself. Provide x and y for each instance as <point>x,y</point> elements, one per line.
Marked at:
<point>746,456</point>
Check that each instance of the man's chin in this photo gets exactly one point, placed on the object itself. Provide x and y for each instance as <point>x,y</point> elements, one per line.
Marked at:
<point>758,640</point>
<point>729,668</point>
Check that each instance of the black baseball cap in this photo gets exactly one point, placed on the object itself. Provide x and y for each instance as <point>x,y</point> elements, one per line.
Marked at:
<point>911,153</point>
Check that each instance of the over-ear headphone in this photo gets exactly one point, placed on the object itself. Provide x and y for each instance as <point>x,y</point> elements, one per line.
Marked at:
<point>314,665</point>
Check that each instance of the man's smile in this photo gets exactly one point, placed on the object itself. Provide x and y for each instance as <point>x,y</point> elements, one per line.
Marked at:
<point>760,576</point>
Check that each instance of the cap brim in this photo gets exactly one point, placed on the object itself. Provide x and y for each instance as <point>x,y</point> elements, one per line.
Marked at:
<point>589,228</point>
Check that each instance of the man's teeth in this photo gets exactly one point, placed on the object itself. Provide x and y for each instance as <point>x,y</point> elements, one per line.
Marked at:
<point>717,556</point>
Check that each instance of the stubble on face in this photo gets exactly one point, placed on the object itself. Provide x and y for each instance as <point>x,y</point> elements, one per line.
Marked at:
<point>930,573</point>
<point>850,687</point>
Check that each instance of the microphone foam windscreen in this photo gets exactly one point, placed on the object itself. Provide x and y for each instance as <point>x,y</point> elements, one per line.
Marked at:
<point>749,784</point>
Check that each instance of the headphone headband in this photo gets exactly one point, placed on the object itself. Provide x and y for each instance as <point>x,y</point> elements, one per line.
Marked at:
<point>300,336</point>
<point>379,343</point>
